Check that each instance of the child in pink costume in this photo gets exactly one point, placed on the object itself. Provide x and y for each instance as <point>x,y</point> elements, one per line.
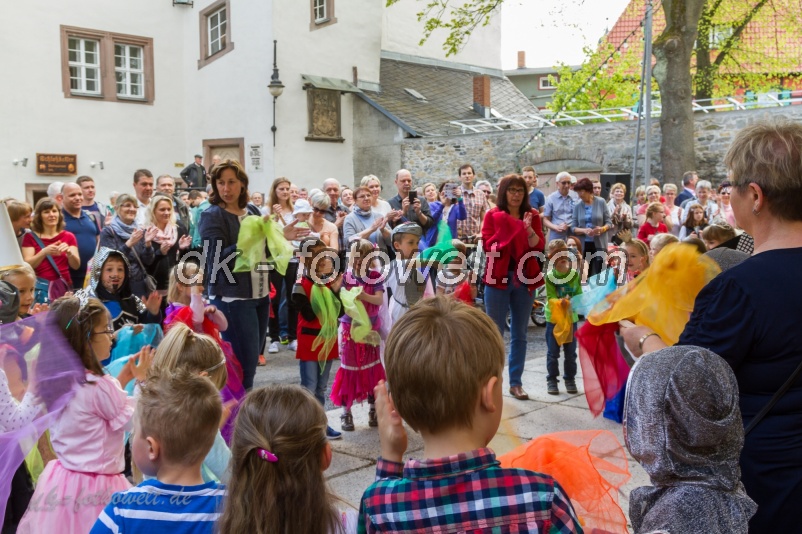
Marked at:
<point>360,363</point>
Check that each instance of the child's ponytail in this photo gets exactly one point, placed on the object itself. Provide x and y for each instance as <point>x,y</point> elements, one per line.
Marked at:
<point>278,452</point>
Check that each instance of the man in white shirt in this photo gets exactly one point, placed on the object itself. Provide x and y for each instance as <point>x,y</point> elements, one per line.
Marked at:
<point>143,187</point>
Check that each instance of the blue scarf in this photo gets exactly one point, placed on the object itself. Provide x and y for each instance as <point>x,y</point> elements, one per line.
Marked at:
<point>121,229</point>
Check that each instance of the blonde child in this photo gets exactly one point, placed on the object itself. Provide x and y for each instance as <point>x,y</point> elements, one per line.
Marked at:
<point>659,242</point>
<point>637,258</point>
<point>176,423</point>
<point>182,348</point>
<point>315,296</point>
<point>186,306</point>
<point>279,454</point>
<point>562,283</point>
<point>88,435</point>
<point>360,362</point>
<point>24,279</point>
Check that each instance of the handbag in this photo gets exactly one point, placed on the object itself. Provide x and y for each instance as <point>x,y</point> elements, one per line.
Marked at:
<point>150,282</point>
<point>49,290</point>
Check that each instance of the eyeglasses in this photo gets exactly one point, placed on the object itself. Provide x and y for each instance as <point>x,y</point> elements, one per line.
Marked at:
<point>362,197</point>
<point>109,332</point>
<point>318,210</point>
<point>515,191</point>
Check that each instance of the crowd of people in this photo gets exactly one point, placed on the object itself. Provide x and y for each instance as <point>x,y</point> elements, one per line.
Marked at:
<point>390,287</point>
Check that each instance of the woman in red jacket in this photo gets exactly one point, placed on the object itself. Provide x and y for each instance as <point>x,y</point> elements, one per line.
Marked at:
<point>514,243</point>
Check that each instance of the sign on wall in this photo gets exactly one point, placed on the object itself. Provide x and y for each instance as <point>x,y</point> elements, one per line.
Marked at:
<point>255,153</point>
<point>56,164</point>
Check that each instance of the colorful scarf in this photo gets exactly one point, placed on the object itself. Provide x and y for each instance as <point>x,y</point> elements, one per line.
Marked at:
<point>327,310</point>
<point>167,236</point>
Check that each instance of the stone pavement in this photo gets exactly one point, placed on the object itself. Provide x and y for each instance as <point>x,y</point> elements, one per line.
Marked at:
<point>353,465</point>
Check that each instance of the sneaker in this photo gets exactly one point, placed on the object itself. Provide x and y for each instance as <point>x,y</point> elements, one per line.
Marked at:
<point>373,420</point>
<point>293,346</point>
<point>284,340</point>
<point>570,386</point>
<point>347,422</point>
<point>262,361</point>
<point>333,434</point>
<point>552,388</point>
<point>273,348</point>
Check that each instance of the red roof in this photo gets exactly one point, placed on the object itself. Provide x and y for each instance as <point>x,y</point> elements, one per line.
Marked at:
<point>772,35</point>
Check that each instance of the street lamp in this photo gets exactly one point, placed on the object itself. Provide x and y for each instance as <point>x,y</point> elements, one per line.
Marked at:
<point>276,88</point>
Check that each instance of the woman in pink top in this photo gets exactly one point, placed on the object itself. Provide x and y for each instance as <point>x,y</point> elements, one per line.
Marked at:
<point>88,435</point>
<point>47,227</point>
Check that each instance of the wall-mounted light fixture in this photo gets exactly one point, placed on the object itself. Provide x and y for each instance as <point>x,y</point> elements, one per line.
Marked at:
<point>276,88</point>
<point>23,161</point>
<point>94,164</point>
<point>183,3</point>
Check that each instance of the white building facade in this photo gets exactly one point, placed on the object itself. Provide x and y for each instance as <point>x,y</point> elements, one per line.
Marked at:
<point>149,84</point>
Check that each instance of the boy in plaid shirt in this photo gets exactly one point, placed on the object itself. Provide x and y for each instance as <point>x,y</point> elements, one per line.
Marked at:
<point>444,361</point>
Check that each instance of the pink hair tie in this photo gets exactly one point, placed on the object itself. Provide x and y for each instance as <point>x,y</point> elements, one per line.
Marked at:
<point>267,456</point>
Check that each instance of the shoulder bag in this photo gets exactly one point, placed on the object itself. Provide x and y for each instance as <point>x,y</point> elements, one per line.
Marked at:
<point>47,290</point>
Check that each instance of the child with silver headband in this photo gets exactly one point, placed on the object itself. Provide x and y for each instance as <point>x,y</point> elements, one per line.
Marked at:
<point>408,280</point>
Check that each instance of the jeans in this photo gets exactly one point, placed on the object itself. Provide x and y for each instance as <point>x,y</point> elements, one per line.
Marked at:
<point>315,380</point>
<point>553,356</point>
<point>247,328</point>
<point>518,300</point>
<point>284,323</point>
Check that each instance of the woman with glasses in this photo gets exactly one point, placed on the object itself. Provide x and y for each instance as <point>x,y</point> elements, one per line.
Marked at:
<point>725,212</point>
<point>591,222</point>
<point>326,230</point>
<point>363,222</point>
<point>512,238</point>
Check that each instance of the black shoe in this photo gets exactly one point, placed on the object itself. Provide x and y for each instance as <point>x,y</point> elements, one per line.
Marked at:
<point>347,422</point>
<point>570,386</point>
<point>552,388</point>
<point>373,420</point>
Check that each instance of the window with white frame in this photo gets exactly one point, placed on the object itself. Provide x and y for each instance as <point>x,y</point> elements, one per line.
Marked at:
<point>217,31</point>
<point>719,34</point>
<point>129,71</point>
<point>108,66</point>
<point>545,82</point>
<point>322,14</point>
<point>84,64</point>
<point>320,11</point>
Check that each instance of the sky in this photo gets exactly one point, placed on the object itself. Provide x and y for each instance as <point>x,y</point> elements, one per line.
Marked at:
<point>552,31</point>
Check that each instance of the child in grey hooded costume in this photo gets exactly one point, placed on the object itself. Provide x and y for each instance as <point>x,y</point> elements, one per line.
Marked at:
<point>682,423</point>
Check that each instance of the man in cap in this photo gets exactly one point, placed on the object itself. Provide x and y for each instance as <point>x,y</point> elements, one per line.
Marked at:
<point>194,174</point>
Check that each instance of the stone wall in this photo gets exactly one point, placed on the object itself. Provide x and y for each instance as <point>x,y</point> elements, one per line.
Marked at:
<point>605,147</point>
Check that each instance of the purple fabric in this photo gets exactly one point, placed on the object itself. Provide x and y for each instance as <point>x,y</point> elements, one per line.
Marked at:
<point>54,371</point>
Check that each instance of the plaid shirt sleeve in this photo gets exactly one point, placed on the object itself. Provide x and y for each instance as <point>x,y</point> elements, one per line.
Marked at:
<point>564,520</point>
<point>388,469</point>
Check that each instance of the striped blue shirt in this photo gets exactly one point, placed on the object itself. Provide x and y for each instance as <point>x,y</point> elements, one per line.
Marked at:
<point>159,508</point>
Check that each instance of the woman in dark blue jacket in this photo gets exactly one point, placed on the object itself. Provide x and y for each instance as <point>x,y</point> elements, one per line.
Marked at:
<point>242,297</point>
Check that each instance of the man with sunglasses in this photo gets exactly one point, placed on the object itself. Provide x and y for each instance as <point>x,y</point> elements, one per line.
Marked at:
<point>559,208</point>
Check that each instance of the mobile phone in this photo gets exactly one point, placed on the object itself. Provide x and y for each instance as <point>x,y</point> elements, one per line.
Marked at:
<point>413,195</point>
<point>448,191</point>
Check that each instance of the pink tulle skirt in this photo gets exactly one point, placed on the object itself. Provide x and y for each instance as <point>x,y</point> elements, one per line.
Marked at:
<point>360,370</point>
<point>69,502</point>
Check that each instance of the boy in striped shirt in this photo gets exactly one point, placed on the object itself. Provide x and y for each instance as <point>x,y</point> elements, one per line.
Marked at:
<point>444,363</point>
<point>176,421</point>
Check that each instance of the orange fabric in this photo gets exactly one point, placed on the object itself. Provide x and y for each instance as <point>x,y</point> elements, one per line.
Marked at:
<point>662,296</point>
<point>591,467</point>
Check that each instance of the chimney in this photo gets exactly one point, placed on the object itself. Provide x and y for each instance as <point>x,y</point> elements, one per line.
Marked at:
<point>481,95</point>
<point>521,59</point>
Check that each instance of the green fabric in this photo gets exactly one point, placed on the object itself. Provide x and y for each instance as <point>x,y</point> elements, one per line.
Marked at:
<point>559,291</point>
<point>442,251</point>
<point>327,310</point>
<point>253,232</point>
<point>361,326</point>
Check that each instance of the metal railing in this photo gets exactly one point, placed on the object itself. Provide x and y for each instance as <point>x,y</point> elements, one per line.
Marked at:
<point>590,116</point>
